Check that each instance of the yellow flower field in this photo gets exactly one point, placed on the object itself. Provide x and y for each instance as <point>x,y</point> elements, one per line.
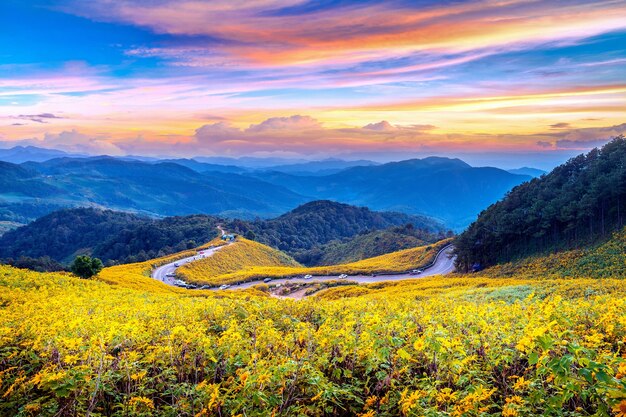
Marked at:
<point>462,346</point>
<point>247,261</point>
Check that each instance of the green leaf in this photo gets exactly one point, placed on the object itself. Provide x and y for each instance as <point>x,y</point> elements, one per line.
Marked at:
<point>404,354</point>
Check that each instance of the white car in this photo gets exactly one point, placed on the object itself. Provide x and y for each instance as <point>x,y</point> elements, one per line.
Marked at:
<point>308,276</point>
<point>224,287</point>
<point>170,274</point>
<point>343,276</point>
<point>176,264</point>
<point>416,272</point>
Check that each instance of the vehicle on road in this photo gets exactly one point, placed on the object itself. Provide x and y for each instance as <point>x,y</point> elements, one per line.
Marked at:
<point>176,264</point>
<point>170,274</point>
<point>180,283</point>
<point>308,276</point>
<point>204,287</point>
<point>266,280</point>
<point>224,287</point>
<point>343,276</point>
<point>416,271</point>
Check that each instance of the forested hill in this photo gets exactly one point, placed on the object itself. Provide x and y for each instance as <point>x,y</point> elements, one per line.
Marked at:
<point>579,202</point>
<point>118,237</point>
<point>320,222</point>
<point>112,236</point>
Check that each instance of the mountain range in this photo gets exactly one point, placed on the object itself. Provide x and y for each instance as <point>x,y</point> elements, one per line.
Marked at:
<point>447,189</point>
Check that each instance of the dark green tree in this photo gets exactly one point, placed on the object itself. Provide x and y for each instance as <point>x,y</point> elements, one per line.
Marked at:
<point>85,266</point>
<point>577,204</point>
<point>250,235</point>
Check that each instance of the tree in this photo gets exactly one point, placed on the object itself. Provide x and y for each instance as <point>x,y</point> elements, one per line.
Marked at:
<point>86,267</point>
<point>250,235</point>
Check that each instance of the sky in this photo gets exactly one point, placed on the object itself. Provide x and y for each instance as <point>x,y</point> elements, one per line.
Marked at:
<point>508,82</point>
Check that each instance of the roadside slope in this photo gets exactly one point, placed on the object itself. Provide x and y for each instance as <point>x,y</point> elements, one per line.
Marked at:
<point>226,266</point>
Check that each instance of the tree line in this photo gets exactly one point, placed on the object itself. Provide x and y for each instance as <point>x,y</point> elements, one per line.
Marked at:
<point>578,203</point>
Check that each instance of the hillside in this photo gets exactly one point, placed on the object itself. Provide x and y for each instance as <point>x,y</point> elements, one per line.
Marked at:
<point>224,267</point>
<point>424,347</point>
<point>368,244</point>
<point>578,203</point>
<point>119,237</point>
<point>319,222</point>
<point>240,256</point>
<point>19,154</point>
<point>602,260</point>
<point>447,189</point>
<point>112,236</point>
<point>163,189</point>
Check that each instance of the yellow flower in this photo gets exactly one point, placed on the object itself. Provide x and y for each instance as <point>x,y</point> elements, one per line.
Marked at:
<point>445,396</point>
<point>408,402</point>
<point>620,409</point>
<point>263,378</point>
<point>139,403</point>
<point>318,396</point>
<point>521,384</point>
<point>370,401</point>
<point>516,399</point>
<point>509,411</point>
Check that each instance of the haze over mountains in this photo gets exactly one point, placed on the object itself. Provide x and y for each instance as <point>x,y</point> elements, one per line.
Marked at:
<point>447,189</point>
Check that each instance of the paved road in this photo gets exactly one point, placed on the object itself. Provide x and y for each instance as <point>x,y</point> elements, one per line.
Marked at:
<point>444,264</point>
<point>161,273</point>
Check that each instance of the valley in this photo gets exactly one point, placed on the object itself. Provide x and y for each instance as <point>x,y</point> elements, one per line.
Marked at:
<point>312,208</point>
<point>226,324</point>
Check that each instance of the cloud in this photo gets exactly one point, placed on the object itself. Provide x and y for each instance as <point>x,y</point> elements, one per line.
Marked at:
<point>216,132</point>
<point>580,144</point>
<point>560,125</point>
<point>383,126</point>
<point>39,118</point>
<point>255,33</point>
<point>544,144</point>
<point>291,124</point>
<point>76,142</point>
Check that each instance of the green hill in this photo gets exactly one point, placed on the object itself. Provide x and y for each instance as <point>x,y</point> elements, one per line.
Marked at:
<point>120,237</point>
<point>109,235</point>
<point>575,205</point>
<point>368,245</point>
<point>319,222</point>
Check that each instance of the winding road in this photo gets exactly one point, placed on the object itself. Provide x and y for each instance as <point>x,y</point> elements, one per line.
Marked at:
<point>166,273</point>
<point>442,265</point>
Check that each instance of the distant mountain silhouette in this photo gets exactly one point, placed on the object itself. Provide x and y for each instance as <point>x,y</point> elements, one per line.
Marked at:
<point>448,189</point>
<point>533,172</point>
<point>152,188</point>
<point>19,154</point>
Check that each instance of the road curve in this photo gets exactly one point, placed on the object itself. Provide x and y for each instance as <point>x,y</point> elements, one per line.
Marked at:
<point>443,264</point>
<point>161,273</point>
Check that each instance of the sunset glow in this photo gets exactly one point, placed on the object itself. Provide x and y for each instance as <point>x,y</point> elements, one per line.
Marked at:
<point>312,78</point>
